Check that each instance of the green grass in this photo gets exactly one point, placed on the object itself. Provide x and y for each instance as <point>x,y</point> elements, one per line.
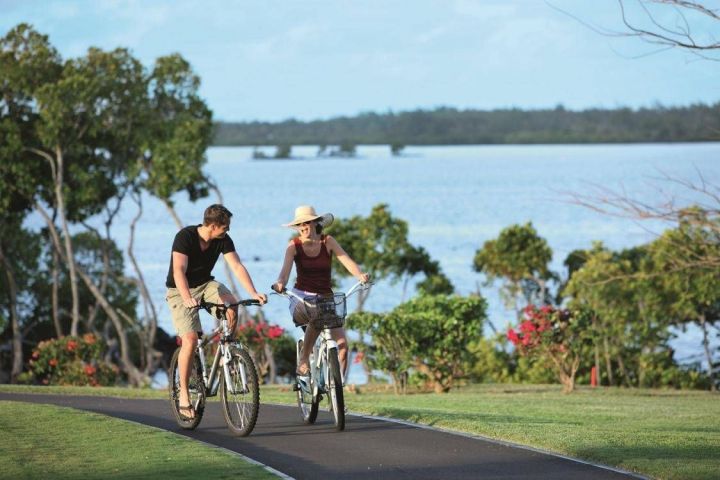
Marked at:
<point>45,441</point>
<point>666,434</point>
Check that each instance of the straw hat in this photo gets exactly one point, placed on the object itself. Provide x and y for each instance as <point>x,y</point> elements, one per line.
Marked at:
<point>306,213</point>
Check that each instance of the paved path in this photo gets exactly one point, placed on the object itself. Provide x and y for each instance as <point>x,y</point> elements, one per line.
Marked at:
<point>367,449</point>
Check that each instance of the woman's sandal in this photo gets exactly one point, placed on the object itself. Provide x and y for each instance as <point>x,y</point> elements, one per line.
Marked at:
<point>187,408</point>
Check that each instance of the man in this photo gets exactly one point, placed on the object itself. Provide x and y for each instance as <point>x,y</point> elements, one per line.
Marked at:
<point>195,251</point>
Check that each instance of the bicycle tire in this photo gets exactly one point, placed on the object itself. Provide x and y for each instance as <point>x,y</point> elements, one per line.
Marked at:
<point>308,404</point>
<point>335,387</point>
<point>196,386</point>
<point>241,408</point>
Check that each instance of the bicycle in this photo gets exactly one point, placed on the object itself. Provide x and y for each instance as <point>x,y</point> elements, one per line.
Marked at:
<point>232,372</point>
<point>326,312</point>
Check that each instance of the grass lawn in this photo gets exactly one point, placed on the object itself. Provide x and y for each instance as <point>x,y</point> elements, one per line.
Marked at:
<point>45,441</point>
<point>661,433</point>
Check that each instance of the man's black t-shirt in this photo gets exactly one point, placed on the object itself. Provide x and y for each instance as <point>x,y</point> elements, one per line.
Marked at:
<point>200,263</point>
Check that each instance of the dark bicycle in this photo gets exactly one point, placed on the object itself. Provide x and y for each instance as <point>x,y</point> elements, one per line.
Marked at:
<point>232,372</point>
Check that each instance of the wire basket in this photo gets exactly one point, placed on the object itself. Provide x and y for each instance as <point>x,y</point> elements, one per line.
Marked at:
<point>327,311</point>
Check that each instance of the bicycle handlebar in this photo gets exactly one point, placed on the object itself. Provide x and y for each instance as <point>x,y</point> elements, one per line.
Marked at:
<point>208,305</point>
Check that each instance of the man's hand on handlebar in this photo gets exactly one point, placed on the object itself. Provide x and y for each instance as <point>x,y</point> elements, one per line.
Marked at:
<point>364,277</point>
<point>191,302</point>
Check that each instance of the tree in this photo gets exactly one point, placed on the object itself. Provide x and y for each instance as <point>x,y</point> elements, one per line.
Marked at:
<point>379,243</point>
<point>558,335</point>
<point>520,257</point>
<point>429,334</point>
<point>693,294</point>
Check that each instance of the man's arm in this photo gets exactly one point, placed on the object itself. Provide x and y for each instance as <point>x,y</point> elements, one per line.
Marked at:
<point>180,261</point>
<point>243,276</point>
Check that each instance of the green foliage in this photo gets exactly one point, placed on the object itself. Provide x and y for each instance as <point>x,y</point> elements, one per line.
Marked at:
<point>520,257</point>
<point>71,361</point>
<point>450,126</point>
<point>428,334</point>
<point>265,340</point>
<point>379,243</point>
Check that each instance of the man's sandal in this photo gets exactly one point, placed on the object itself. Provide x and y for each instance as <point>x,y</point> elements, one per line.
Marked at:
<point>187,408</point>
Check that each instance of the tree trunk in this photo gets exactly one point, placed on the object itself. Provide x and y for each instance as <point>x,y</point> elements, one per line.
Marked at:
<point>272,368</point>
<point>54,300</point>
<point>60,201</point>
<point>621,365</point>
<point>173,213</point>
<point>708,353</point>
<point>150,328</point>
<point>608,364</point>
<point>17,336</point>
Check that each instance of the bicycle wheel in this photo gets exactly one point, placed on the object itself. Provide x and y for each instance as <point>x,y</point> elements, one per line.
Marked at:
<point>308,404</point>
<point>241,406</point>
<point>335,387</point>
<point>197,391</point>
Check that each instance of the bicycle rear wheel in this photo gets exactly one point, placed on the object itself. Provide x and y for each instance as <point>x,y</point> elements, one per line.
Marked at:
<point>196,387</point>
<point>335,387</point>
<point>241,406</point>
<point>308,404</point>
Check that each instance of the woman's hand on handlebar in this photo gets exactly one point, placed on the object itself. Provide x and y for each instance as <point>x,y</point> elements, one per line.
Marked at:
<point>278,287</point>
<point>260,297</point>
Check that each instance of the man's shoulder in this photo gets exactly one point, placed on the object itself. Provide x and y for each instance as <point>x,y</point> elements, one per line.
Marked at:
<point>189,231</point>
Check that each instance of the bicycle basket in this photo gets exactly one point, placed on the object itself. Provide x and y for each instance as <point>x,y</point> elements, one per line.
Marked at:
<point>327,311</point>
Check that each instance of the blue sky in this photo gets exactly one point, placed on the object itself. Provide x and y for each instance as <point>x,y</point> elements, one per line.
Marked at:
<point>278,59</point>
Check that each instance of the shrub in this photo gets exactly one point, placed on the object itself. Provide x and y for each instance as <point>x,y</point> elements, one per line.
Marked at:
<point>71,361</point>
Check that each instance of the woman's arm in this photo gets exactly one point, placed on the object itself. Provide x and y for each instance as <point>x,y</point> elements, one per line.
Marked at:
<point>287,266</point>
<point>345,259</point>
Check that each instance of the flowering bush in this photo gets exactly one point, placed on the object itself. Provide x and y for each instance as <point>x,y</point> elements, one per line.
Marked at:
<point>70,361</point>
<point>265,340</point>
<point>554,334</point>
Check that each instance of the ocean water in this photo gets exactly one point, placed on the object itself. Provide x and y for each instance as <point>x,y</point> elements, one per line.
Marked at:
<point>453,197</point>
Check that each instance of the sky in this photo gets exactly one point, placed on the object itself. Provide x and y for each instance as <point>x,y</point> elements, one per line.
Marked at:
<point>271,60</point>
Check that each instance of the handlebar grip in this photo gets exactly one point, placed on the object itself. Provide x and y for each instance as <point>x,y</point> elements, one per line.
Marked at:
<point>272,287</point>
<point>250,301</point>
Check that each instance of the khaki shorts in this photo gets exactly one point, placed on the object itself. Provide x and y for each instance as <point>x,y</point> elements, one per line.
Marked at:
<point>186,320</point>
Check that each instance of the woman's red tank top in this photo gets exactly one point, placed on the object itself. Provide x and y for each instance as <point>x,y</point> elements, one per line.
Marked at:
<point>313,273</point>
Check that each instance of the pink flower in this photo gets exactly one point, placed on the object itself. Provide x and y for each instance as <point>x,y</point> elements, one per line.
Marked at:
<point>71,345</point>
<point>53,362</point>
<point>513,336</point>
<point>90,370</point>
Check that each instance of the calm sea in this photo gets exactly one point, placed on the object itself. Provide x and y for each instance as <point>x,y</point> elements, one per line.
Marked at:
<point>454,199</point>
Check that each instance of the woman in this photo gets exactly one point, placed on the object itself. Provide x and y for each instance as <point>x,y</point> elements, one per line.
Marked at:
<point>312,251</point>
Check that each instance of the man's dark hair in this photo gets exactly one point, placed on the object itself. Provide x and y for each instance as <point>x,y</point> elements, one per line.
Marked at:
<point>217,215</point>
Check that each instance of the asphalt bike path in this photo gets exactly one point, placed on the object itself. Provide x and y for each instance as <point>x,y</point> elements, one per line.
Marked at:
<point>368,448</point>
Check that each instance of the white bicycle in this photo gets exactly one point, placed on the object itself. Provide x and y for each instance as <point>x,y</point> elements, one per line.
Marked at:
<point>326,377</point>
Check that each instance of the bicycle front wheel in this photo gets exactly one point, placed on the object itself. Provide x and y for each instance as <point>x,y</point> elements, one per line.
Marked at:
<point>241,401</point>
<point>337,400</point>
<point>196,389</point>
<point>307,403</point>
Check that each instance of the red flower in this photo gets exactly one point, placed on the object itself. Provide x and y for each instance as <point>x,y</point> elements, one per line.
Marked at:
<point>89,338</point>
<point>526,340</point>
<point>71,345</point>
<point>527,327</point>
<point>275,332</point>
<point>513,336</point>
<point>90,370</point>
